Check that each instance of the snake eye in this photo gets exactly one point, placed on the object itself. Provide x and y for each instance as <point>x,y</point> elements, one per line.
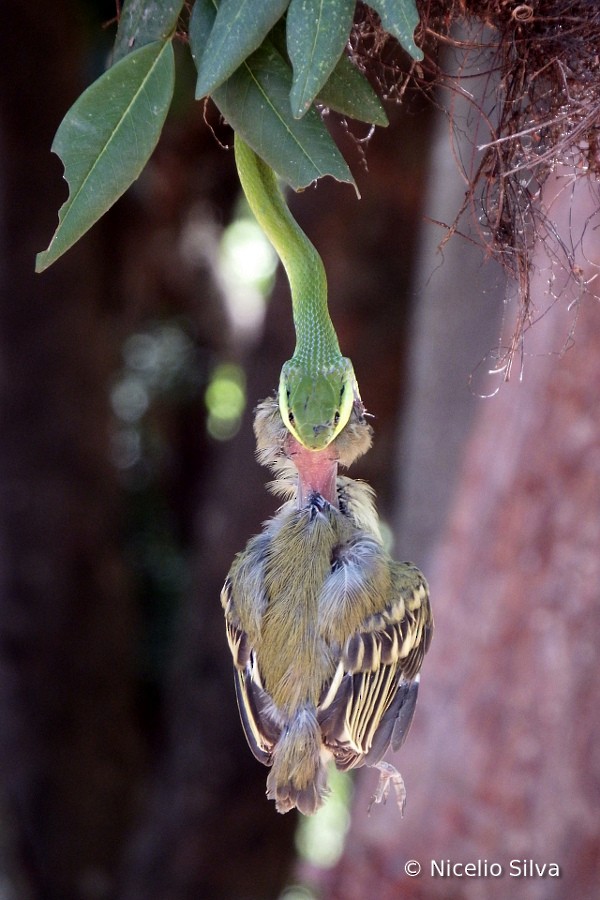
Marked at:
<point>336,418</point>
<point>291,416</point>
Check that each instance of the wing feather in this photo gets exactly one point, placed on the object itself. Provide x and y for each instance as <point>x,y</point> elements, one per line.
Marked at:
<point>260,721</point>
<point>258,718</point>
<point>376,689</point>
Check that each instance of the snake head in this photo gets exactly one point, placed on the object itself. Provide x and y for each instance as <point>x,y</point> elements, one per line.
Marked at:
<point>316,406</point>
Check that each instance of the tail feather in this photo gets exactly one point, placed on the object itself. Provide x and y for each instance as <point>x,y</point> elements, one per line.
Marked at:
<point>298,777</point>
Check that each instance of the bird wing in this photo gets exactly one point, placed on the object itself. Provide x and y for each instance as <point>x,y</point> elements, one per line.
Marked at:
<point>370,701</point>
<point>259,720</point>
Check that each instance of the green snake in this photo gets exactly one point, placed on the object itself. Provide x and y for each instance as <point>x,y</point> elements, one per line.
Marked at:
<point>317,387</point>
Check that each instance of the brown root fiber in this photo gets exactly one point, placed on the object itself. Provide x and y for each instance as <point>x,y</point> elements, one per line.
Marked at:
<point>541,110</point>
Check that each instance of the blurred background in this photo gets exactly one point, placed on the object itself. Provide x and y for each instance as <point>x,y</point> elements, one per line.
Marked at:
<point>128,375</point>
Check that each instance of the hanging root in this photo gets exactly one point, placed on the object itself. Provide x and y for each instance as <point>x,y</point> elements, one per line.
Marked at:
<point>540,110</point>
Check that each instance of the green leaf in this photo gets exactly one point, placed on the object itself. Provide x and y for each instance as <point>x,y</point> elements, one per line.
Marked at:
<point>239,29</point>
<point>202,19</point>
<point>317,31</point>
<point>255,102</point>
<point>143,22</point>
<point>107,137</point>
<point>400,18</point>
<point>348,92</point>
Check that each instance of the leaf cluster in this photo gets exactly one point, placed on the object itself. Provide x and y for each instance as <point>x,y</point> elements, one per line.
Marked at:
<point>269,66</point>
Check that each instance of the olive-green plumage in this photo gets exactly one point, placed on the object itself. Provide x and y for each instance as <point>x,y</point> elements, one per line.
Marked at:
<point>327,633</point>
<point>295,660</point>
<point>317,385</point>
<point>326,630</point>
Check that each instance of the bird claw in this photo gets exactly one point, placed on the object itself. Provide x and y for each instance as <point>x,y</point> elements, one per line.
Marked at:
<point>388,776</point>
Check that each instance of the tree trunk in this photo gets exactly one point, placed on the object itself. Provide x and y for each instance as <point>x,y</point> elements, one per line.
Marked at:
<point>501,764</point>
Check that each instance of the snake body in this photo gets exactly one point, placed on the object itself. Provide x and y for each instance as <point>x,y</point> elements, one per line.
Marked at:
<point>317,387</point>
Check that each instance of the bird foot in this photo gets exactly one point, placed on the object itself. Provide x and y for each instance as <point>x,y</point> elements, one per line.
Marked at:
<point>388,776</point>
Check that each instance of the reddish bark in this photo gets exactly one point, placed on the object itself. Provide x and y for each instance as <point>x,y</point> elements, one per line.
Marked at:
<point>502,763</point>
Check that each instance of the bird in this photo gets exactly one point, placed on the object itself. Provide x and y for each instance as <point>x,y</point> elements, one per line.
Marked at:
<point>300,472</point>
<point>327,632</point>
